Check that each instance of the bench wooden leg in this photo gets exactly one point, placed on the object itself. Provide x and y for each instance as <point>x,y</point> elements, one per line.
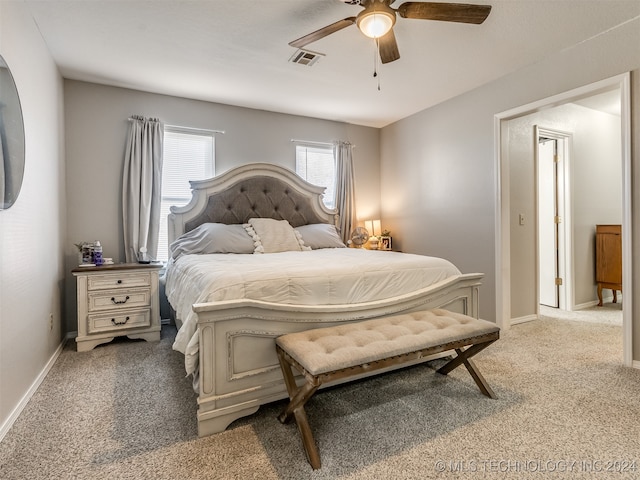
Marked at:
<point>297,402</point>
<point>464,357</point>
<point>295,409</point>
<point>310,447</point>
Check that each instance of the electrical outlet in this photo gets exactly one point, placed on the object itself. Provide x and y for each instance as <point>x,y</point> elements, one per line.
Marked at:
<point>50,321</point>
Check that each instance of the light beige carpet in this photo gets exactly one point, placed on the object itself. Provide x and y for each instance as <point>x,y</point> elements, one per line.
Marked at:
<point>566,408</point>
<point>609,313</point>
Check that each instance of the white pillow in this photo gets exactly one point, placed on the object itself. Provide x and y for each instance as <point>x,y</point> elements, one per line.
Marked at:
<point>273,236</point>
<point>320,235</point>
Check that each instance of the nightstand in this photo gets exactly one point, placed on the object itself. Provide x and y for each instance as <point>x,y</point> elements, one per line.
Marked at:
<point>117,300</point>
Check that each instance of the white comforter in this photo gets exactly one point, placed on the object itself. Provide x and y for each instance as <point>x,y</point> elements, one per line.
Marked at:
<point>319,277</point>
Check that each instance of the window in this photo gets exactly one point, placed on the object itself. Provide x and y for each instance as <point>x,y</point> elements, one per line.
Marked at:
<point>188,155</point>
<point>317,165</point>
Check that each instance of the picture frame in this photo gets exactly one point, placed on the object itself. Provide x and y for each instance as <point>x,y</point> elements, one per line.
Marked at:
<point>385,243</point>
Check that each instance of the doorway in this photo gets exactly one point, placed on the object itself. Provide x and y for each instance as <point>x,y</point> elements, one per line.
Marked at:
<point>506,212</point>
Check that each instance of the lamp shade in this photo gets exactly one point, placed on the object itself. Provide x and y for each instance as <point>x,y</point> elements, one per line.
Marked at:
<point>375,24</point>
<point>368,224</point>
<point>376,227</point>
<point>373,227</point>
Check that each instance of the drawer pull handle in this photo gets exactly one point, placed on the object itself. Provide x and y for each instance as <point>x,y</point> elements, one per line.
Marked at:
<point>119,282</point>
<point>113,320</point>
<point>119,302</point>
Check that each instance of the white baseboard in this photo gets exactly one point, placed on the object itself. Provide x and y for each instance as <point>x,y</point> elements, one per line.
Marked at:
<point>6,426</point>
<point>526,318</point>
<point>636,364</point>
<point>605,299</point>
<point>584,306</point>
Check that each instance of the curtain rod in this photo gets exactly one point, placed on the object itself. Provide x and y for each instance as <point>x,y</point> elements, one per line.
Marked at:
<point>141,117</point>
<point>311,142</point>
<point>192,129</point>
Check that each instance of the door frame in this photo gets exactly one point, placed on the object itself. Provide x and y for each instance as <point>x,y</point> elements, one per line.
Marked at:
<point>502,206</point>
<point>565,245</point>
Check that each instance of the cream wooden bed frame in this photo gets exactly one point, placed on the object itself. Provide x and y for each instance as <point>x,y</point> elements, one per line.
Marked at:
<point>239,369</point>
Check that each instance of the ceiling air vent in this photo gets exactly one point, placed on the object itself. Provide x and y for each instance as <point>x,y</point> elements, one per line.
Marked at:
<point>305,57</point>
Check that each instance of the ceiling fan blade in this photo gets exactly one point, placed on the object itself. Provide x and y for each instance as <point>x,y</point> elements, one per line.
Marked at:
<point>323,32</point>
<point>388,47</point>
<point>446,12</point>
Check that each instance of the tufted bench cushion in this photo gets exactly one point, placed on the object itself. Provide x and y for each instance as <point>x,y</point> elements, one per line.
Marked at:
<point>327,349</point>
<point>336,353</point>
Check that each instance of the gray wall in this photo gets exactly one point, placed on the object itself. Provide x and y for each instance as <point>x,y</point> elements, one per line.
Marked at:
<point>96,127</point>
<point>596,191</point>
<point>32,230</point>
<point>439,165</point>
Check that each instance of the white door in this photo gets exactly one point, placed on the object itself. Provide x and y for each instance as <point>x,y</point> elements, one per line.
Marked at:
<point>547,224</point>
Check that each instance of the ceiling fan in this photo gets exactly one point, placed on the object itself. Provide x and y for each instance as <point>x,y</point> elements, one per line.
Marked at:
<point>377,20</point>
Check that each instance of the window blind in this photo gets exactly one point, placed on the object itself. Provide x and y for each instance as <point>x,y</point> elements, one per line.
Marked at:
<point>317,165</point>
<point>186,156</point>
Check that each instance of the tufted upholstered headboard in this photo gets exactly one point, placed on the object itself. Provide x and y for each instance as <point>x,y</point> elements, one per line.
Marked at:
<point>254,190</point>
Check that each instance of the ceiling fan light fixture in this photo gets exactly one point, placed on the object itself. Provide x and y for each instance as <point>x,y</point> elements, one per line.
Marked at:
<point>375,24</point>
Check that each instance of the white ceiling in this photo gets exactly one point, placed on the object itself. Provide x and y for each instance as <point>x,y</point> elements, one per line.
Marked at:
<point>607,102</point>
<point>236,51</point>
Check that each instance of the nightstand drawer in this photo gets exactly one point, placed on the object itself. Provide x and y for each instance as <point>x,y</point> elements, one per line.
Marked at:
<point>122,280</point>
<point>114,299</point>
<point>119,321</point>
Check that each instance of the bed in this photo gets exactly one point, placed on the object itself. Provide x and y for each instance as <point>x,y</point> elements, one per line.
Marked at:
<point>229,307</point>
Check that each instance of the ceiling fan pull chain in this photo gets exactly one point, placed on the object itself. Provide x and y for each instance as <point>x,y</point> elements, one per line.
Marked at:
<point>375,58</point>
<point>375,61</point>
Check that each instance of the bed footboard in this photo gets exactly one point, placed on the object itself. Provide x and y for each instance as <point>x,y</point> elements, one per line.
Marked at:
<point>239,369</point>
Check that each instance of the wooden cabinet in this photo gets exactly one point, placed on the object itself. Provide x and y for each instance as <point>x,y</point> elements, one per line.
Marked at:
<point>115,300</point>
<point>609,259</point>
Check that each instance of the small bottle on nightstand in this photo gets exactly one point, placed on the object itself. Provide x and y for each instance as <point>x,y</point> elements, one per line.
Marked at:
<point>97,253</point>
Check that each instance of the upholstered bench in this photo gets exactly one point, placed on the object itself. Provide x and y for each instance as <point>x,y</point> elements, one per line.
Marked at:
<point>336,353</point>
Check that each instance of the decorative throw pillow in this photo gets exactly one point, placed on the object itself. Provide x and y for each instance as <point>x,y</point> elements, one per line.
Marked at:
<point>273,236</point>
<point>320,235</point>
<point>212,238</point>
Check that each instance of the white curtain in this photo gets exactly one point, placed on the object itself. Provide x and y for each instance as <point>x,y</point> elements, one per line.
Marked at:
<point>141,185</point>
<point>345,188</point>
